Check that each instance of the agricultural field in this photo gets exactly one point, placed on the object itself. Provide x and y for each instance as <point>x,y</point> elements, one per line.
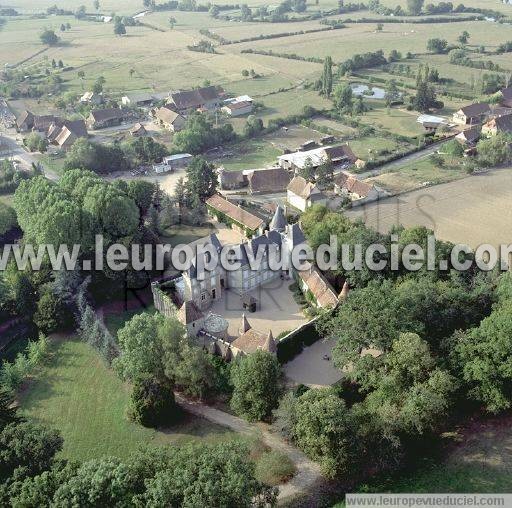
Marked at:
<point>446,208</point>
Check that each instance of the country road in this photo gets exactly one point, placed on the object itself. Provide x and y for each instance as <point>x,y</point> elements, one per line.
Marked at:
<point>308,472</point>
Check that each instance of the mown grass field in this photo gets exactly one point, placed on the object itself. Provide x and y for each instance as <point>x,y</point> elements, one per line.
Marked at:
<point>79,396</point>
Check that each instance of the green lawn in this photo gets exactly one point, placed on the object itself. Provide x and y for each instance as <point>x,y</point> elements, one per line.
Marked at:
<point>249,155</point>
<point>178,234</point>
<point>78,395</point>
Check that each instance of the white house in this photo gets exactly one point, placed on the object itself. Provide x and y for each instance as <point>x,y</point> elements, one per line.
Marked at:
<point>302,194</point>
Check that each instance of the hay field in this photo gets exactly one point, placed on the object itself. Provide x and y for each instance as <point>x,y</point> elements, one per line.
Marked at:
<point>473,210</point>
<point>362,37</point>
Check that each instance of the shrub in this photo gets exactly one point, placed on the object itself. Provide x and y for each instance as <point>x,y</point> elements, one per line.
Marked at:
<point>274,468</point>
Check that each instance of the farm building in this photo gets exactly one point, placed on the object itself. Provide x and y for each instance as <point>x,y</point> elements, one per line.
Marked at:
<point>64,133</point>
<point>92,98</point>
<point>268,180</point>
<point>142,100</point>
<point>472,114</point>
<point>496,125</point>
<point>169,119</point>
<point>102,118</point>
<point>313,283</point>
<point>506,97</point>
<point>302,194</point>
<point>178,160</point>
<point>230,180</point>
<point>235,216</point>
<point>337,155</point>
<point>238,108</point>
<point>138,130</point>
<point>470,136</point>
<point>357,191</point>
<point>25,121</point>
<point>207,98</point>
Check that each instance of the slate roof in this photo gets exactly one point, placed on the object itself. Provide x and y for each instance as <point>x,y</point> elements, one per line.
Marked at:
<point>189,312</point>
<point>469,135</point>
<point>100,115</point>
<point>502,123</point>
<point>279,221</point>
<point>194,98</point>
<point>477,109</point>
<point>236,213</point>
<point>296,235</point>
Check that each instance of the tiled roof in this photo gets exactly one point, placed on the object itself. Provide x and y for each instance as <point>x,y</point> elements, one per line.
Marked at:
<point>194,98</point>
<point>100,115</point>
<point>469,135</point>
<point>502,123</point>
<point>352,184</point>
<point>301,187</point>
<point>234,212</point>
<point>319,287</point>
<point>167,115</point>
<point>268,180</point>
<point>253,340</point>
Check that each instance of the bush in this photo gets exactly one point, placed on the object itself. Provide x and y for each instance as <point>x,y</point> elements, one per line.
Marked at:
<point>274,468</point>
<point>152,403</point>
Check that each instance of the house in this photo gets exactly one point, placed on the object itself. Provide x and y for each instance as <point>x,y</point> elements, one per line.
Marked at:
<point>472,114</point>
<point>239,219</point>
<point>250,340</point>
<point>238,108</point>
<point>138,130</point>
<point>337,155</point>
<point>25,121</point>
<point>356,190</point>
<point>312,282</point>
<point>43,122</point>
<point>64,133</point>
<point>143,100</point>
<point>506,94</point>
<point>191,317</point>
<point>178,160</point>
<point>302,194</point>
<point>497,125</point>
<point>269,180</point>
<point>206,98</point>
<point>169,119</point>
<point>470,136</point>
<point>92,98</point>
<point>102,118</point>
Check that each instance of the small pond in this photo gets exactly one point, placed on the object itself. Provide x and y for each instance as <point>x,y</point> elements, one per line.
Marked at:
<point>374,92</point>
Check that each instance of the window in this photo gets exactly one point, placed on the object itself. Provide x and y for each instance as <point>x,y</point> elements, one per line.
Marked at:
<point>203,297</point>
<point>213,294</point>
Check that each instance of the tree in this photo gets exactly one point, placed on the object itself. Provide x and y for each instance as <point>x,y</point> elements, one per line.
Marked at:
<point>483,354</point>
<point>253,126</point>
<point>36,143</point>
<point>437,45</point>
<point>98,85</point>
<point>392,93</point>
<point>327,77</point>
<point>343,98</point>
<point>152,403</point>
<point>27,449</point>
<point>63,27</point>
<point>61,64</point>
<point>379,27</point>
<point>119,28</point>
<point>201,179</point>
<point>324,430</point>
<point>141,191</point>
<point>255,380</point>
<point>49,37</point>
<point>96,4</point>
<point>495,150</point>
<point>51,314</point>
<point>172,21</point>
<point>214,11</point>
<point>453,148</point>
<point>414,7</point>
<point>463,37</point>
<point>7,409</point>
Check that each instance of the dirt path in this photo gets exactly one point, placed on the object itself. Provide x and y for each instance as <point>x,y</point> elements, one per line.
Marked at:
<point>308,472</point>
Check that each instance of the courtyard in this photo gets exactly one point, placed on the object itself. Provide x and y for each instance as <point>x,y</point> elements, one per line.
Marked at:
<point>277,310</point>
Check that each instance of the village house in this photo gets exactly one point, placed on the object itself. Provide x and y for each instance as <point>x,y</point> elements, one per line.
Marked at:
<point>266,181</point>
<point>169,119</point>
<point>472,114</point>
<point>235,216</point>
<point>92,98</point>
<point>25,121</point>
<point>64,133</point>
<point>238,108</point>
<point>336,155</point>
<point>302,194</point>
<point>138,130</point>
<point>231,180</point>
<point>357,191</point>
<point>206,98</point>
<point>506,94</point>
<point>102,118</point>
<point>469,137</point>
<point>499,124</point>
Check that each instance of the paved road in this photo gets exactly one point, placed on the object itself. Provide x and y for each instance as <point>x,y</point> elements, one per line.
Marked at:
<point>8,138</point>
<point>308,472</point>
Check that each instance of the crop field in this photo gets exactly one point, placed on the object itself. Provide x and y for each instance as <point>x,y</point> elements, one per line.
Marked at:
<point>448,209</point>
